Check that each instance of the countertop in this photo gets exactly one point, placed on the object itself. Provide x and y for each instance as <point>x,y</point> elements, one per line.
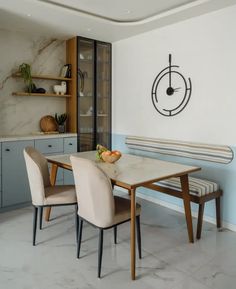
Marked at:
<point>4,138</point>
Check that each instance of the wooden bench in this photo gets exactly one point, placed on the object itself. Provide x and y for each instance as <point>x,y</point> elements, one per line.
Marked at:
<point>201,190</point>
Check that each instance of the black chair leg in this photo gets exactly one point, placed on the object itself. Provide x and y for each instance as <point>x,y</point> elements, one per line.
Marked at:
<point>76,222</point>
<point>40,217</point>
<point>139,236</point>
<point>79,236</point>
<point>35,224</point>
<point>100,249</point>
<point>115,234</point>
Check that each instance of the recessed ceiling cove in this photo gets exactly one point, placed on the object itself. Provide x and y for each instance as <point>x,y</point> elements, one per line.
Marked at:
<point>120,11</point>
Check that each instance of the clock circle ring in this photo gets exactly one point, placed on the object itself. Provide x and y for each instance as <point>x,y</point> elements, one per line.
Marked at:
<point>187,93</point>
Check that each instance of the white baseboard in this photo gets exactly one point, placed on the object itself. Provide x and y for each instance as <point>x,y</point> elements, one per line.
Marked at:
<point>208,219</point>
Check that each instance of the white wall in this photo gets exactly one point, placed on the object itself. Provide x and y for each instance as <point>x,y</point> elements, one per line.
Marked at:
<point>205,49</point>
<point>21,114</point>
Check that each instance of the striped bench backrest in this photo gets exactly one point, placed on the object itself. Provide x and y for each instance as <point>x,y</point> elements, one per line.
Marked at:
<point>199,151</point>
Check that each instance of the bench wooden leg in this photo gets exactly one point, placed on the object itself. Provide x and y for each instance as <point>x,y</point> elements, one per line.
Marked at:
<point>199,220</point>
<point>187,206</point>
<point>218,215</point>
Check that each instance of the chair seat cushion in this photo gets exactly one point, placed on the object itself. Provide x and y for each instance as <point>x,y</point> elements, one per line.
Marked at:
<point>122,209</point>
<point>64,194</point>
<point>197,187</point>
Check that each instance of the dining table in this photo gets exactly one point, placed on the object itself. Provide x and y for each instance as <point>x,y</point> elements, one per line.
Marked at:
<point>131,172</point>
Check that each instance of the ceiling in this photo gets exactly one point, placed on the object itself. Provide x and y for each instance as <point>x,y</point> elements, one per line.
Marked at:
<point>108,20</point>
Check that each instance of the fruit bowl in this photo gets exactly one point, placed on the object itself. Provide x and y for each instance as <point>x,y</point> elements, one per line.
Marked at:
<point>110,156</point>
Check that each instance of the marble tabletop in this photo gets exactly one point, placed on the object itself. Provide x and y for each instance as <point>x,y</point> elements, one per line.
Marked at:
<point>132,170</point>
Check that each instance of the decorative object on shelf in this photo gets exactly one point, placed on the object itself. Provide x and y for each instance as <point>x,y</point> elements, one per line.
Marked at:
<point>171,92</point>
<point>25,72</point>
<point>66,71</point>
<point>85,74</point>
<point>81,75</point>
<point>60,120</point>
<point>68,75</point>
<point>48,124</point>
<point>40,90</point>
<point>60,89</point>
<point>90,111</point>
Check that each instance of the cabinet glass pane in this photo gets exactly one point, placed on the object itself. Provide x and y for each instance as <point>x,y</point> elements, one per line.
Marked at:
<point>86,94</point>
<point>103,87</point>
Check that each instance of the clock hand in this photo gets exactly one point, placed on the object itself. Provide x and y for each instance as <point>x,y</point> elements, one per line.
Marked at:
<point>177,88</point>
<point>169,70</point>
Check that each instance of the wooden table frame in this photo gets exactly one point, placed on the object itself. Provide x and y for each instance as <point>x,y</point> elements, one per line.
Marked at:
<point>132,191</point>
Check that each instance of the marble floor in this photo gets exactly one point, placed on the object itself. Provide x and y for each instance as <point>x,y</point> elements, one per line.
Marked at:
<point>168,262</point>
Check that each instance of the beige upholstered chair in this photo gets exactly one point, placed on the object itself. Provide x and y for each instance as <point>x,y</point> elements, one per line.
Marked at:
<point>42,193</point>
<point>97,205</point>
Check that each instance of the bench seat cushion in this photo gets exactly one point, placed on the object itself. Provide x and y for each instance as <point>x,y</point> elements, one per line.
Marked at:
<point>197,187</point>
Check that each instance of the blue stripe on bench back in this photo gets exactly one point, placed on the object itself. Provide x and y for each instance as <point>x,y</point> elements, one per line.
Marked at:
<point>199,151</point>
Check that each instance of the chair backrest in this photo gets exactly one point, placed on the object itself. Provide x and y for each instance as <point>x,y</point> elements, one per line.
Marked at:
<point>94,193</point>
<point>38,174</point>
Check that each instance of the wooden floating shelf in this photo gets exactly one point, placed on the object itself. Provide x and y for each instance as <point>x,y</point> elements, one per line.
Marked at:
<point>48,77</point>
<point>40,94</point>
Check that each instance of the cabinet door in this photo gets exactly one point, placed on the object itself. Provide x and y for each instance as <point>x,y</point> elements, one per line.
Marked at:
<point>15,185</point>
<point>86,94</point>
<point>103,89</point>
<point>70,147</point>
<point>0,176</point>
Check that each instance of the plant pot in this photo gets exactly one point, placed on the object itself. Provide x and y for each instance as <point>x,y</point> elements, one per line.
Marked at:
<point>61,128</point>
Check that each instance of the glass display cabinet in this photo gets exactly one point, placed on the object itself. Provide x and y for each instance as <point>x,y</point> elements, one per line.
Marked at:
<point>94,94</point>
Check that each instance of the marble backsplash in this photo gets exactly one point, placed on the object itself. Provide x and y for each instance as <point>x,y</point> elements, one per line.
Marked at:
<point>21,114</point>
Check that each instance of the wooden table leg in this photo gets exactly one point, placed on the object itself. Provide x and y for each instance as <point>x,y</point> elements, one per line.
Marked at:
<point>53,177</point>
<point>187,206</point>
<point>47,213</point>
<point>132,233</point>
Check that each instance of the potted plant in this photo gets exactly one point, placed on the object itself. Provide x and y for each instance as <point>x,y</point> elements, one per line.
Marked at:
<point>61,119</point>
<point>25,72</point>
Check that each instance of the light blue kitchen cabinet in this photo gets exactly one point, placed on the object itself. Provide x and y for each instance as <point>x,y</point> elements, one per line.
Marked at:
<point>15,185</point>
<point>0,176</point>
<point>70,147</point>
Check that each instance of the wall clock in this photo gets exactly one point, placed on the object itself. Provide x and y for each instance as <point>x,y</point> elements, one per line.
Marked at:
<point>171,91</point>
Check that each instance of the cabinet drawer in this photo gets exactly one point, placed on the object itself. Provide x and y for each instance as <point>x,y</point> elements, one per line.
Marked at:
<point>48,146</point>
<point>70,145</point>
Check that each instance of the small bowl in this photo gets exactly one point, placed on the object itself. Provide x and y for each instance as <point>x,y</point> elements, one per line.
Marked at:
<point>110,159</point>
